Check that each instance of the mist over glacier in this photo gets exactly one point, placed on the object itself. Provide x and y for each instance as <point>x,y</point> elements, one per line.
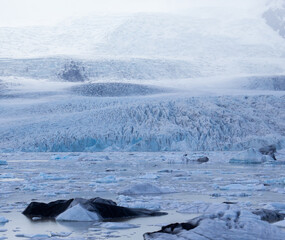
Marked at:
<point>195,77</point>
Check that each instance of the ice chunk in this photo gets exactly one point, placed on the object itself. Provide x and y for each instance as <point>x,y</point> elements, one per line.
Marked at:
<point>64,157</point>
<point>241,187</point>
<point>7,175</point>
<point>60,234</point>
<point>118,225</point>
<point>126,201</point>
<point>276,206</point>
<point>250,156</point>
<point>31,187</point>
<point>196,207</point>
<point>277,181</point>
<point>48,176</point>
<point>3,220</point>
<point>280,224</point>
<point>149,176</point>
<point>78,214</point>
<point>3,162</point>
<point>107,179</point>
<point>33,236</point>
<point>142,188</point>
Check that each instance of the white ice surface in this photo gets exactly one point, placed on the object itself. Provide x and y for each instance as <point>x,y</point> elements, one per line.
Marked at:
<point>78,214</point>
<point>280,224</point>
<point>142,189</point>
<point>118,225</point>
<point>3,220</point>
<point>250,156</point>
<point>3,162</point>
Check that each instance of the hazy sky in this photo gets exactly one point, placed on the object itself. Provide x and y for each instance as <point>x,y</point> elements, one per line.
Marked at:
<point>39,12</point>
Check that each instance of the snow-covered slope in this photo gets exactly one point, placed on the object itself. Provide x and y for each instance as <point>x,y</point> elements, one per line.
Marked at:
<point>71,37</point>
<point>219,44</point>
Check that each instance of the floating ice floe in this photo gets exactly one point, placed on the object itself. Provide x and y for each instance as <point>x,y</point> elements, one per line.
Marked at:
<point>224,222</point>
<point>3,220</point>
<point>31,187</point>
<point>118,225</point>
<point>277,181</point>
<point>65,157</point>
<point>141,189</point>
<point>241,187</point>
<point>7,175</point>
<point>250,156</point>
<point>48,176</point>
<point>107,179</point>
<point>60,234</point>
<point>280,224</point>
<point>127,201</point>
<point>33,236</point>
<point>3,162</point>
<point>149,176</point>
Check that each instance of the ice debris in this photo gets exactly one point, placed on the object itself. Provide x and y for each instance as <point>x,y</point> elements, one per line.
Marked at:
<point>3,162</point>
<point>141,189</point>
<point>118,225</point>
<point>224,222</point>
<point>250,156</point>
<point>3,220</point>
<point>107,179</point>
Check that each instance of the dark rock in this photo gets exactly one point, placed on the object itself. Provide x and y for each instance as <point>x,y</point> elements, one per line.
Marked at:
<point>107,209</point>
<point>269,150</point>
<point>73,72</point>
<point>203,159</point>
<point>227,202</point>
<point>275,19</point>
<point>46,210</point>
<point>175,228</point>
<point>269,215</point>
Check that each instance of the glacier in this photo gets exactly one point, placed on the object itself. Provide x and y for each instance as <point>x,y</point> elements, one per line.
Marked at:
<point>162,122</point>
<point>154,82</point>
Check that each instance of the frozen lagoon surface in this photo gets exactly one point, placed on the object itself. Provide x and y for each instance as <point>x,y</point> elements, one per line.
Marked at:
<point>185,189</point>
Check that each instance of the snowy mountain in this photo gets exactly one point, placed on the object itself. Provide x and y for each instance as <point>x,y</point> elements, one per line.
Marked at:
<point>208,44</point>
